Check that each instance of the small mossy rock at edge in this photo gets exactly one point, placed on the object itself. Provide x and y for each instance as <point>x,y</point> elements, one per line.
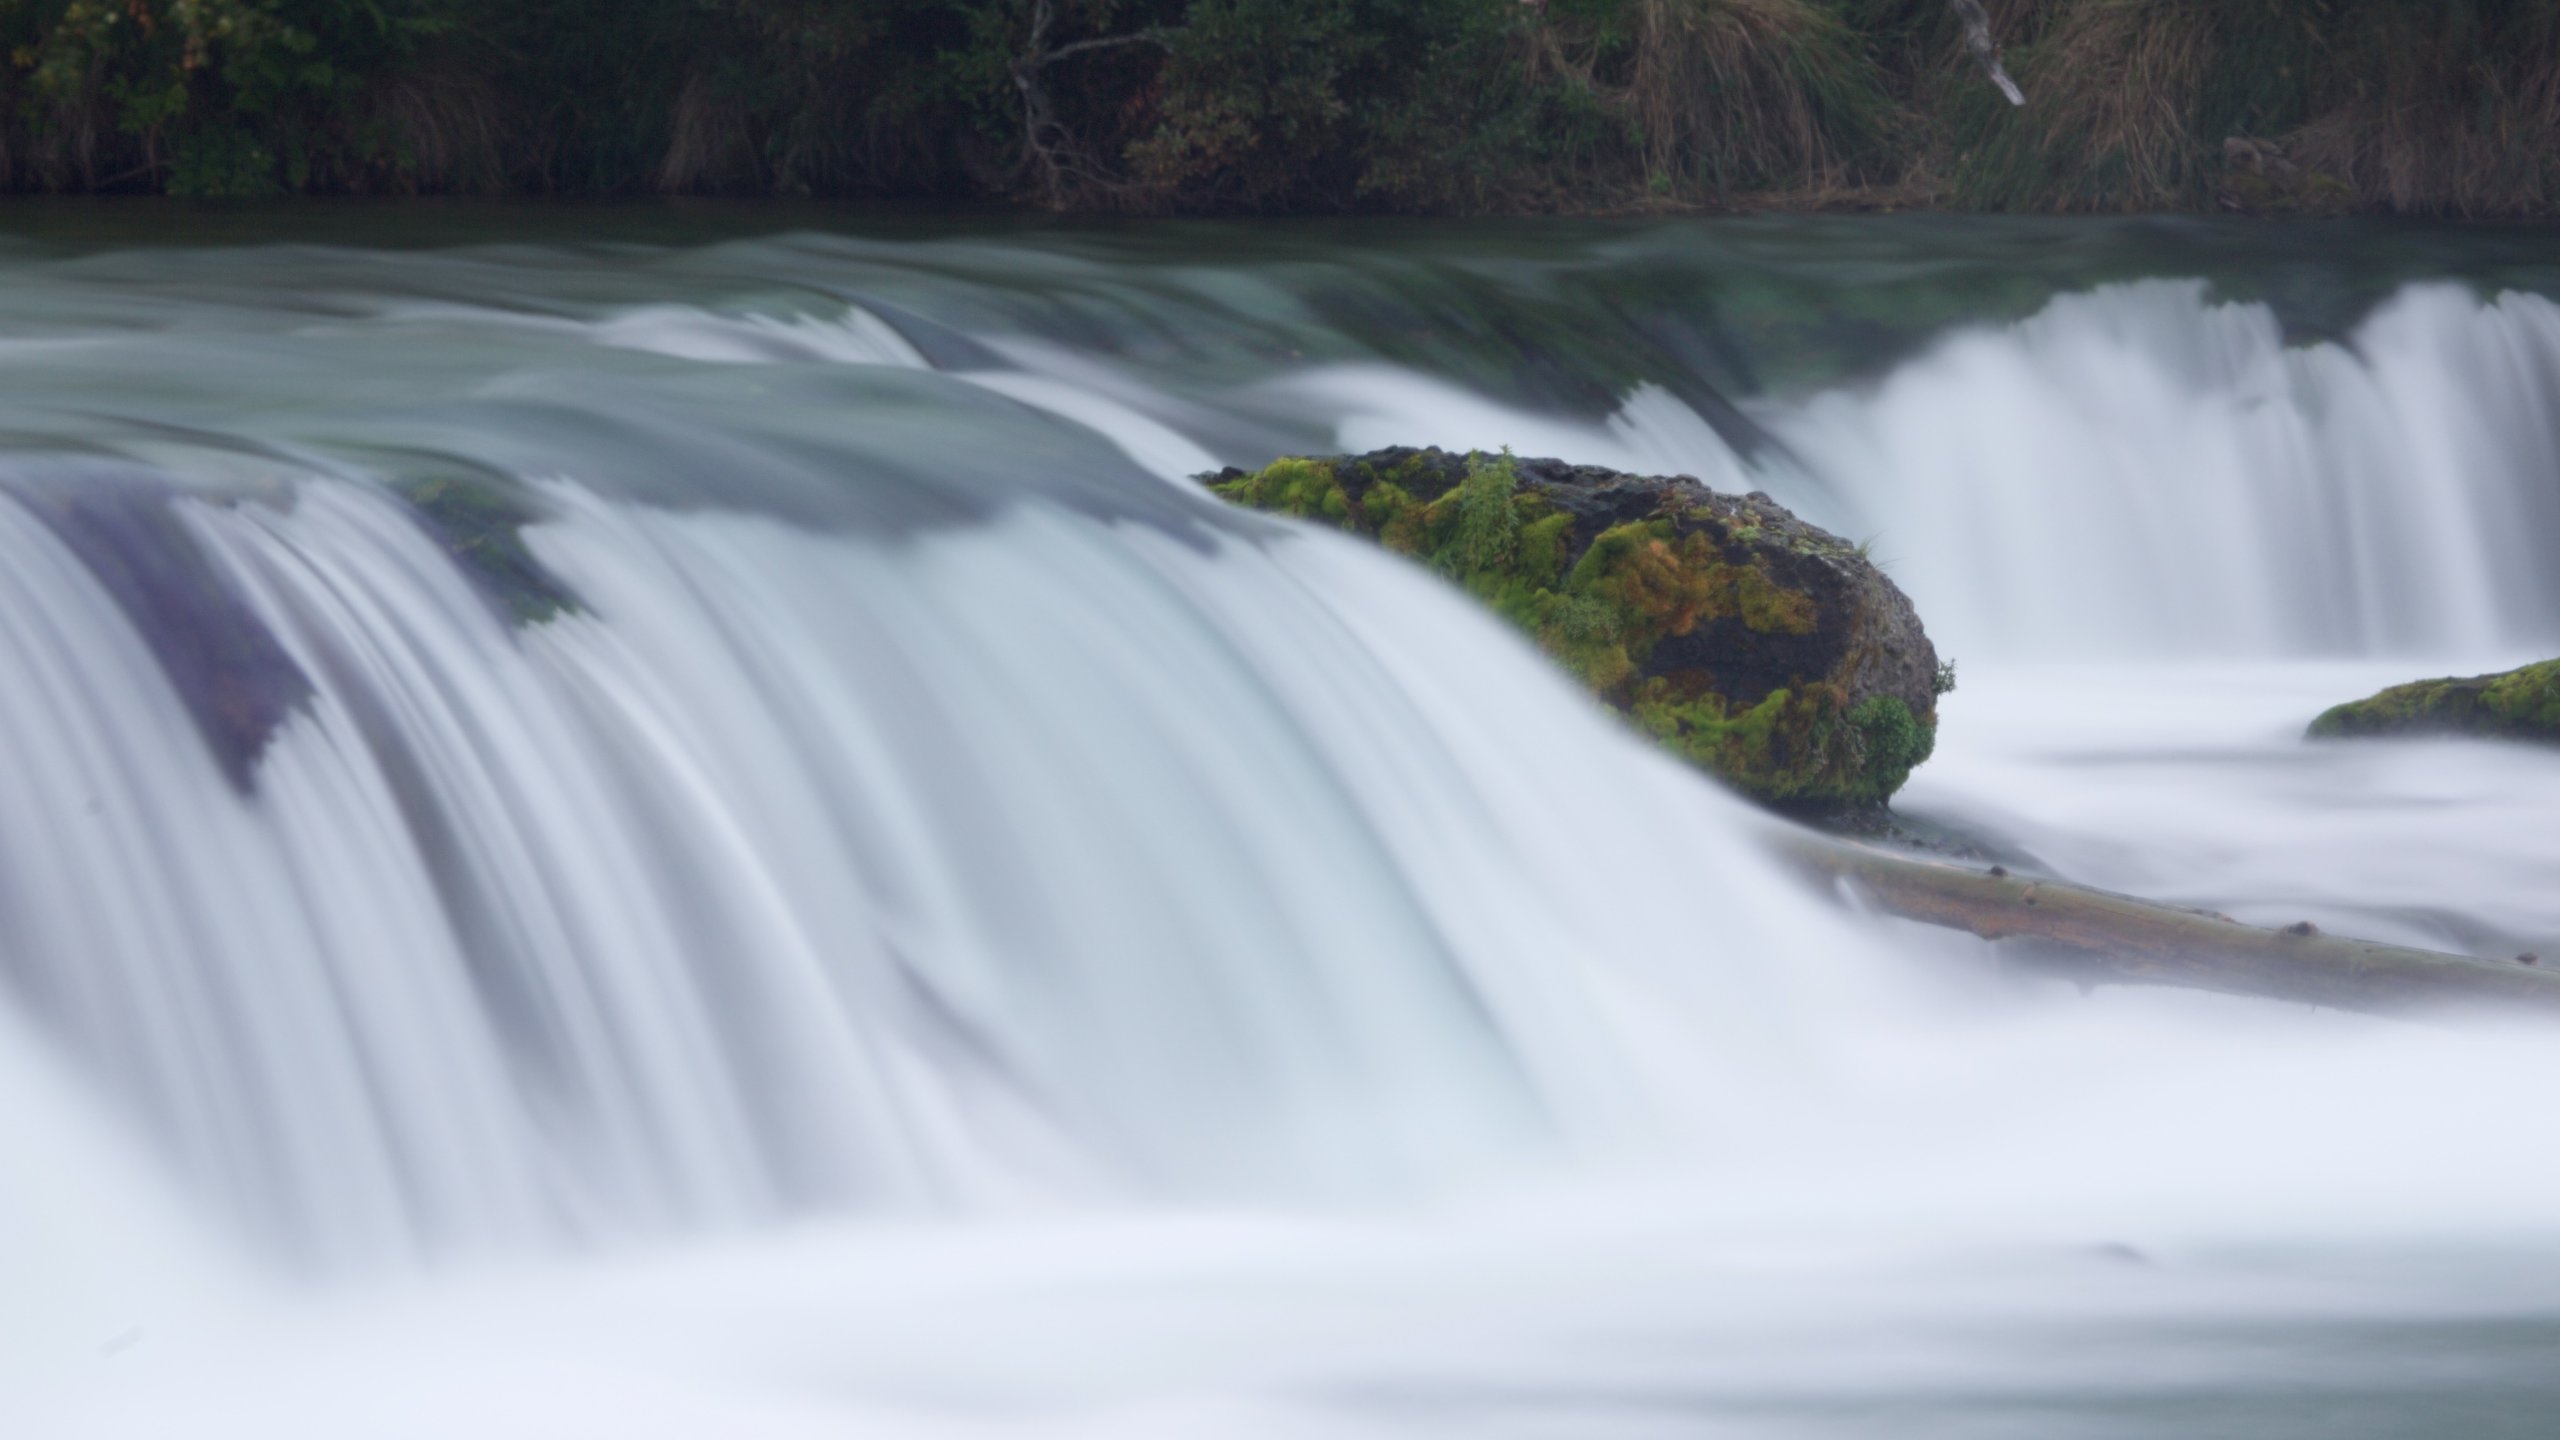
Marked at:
<point>1761,648</point>
<point>481,525</point>
<point>2517,704</point>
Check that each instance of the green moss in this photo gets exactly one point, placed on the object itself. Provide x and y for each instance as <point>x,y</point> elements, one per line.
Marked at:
<point>481,525</point>
<point>1307,489</point>
<point>1796,746</point>
<point>1746,745</point>
<point>1394,517</point>
<point>1891,741</point>
<point>1602,614</point>
<point>1543,543</point>
<point>2529,698</point>
<point>1488,515</point>
<point>1767,606</point>
<point>2518,704</point>
<point>1674,582</point>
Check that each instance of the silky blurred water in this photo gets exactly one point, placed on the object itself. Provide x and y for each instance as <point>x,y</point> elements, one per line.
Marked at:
<point>952,931</point>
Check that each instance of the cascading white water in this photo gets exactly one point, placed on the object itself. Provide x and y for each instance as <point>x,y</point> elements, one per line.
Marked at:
<point>1043,858</point>
<point>2141,470</point>
<point>929,805</point>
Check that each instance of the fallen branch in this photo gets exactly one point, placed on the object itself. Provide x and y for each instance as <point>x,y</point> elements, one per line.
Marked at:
<point>2097,937</point>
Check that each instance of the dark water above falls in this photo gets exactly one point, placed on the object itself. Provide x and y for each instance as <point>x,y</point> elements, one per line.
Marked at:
<point>680,822</point>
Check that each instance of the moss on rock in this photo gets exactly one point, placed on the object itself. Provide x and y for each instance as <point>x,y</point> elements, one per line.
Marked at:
<point>2517,704</point>
<point>1756,646</point>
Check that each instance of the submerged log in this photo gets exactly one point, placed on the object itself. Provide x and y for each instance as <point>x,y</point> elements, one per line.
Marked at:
<point>2098,937</point>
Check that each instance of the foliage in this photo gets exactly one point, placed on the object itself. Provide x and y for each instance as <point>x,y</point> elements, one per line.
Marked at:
<point>2416,106</point>
<point>1893,739</point>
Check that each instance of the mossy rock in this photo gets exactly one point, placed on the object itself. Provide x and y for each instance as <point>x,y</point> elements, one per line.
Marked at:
<point>2518,704</point>
<point>1761,648</point>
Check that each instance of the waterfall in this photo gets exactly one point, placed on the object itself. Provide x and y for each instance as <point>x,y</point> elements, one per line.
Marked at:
<point>1039,858</point>
<point>901,791</point>
<point>2139,470</point>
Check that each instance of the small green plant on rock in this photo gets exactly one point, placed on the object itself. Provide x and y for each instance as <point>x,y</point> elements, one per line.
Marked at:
<point>1488,524</point>
<point>1893,741</point>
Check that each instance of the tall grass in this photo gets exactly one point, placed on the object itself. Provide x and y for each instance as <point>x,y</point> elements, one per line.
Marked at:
<point>2407,106</point>
<point>2112,89</point>
<point>2444,109</point>
<point>1754,92</point>
<point>1729,95</point>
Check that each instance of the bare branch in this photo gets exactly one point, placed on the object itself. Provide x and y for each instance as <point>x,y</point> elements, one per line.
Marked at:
<point>1141,37</point>
<point>1048,146</point>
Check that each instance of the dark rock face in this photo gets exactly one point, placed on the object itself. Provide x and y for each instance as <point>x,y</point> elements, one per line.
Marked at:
<point>1763,649</point>
<point>2519,704</point>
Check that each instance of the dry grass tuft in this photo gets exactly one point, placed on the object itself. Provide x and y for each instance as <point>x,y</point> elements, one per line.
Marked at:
<point>448,132</point>
<point>2112,95</point>
<point>2433,117</point>
<point>2406,106</point>
<point>1746,91</point>
<point>1734,94</point>
<point>710,141</point>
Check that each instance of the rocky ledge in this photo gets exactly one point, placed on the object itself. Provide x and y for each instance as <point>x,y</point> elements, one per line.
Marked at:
<point>2518,704</point>
<point>1772,653</point>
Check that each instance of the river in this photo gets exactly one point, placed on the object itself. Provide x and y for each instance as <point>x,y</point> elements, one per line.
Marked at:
<point>682,821</point>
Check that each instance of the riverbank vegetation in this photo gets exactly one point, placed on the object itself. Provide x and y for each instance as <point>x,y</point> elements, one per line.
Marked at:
<point>2438,107</point>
